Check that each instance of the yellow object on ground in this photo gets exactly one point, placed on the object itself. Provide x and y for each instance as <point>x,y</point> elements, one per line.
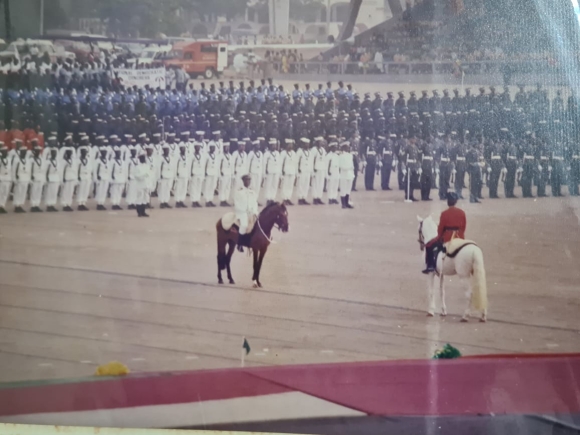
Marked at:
<point>114,368</point>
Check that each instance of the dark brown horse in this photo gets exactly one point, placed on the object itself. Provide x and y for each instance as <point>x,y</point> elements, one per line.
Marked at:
<point>259,240</point>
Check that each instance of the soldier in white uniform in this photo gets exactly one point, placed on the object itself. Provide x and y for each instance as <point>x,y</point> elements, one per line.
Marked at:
<point>167,174</point>
<point>38,179</point>
<point>289,169</point>
<point>346,166</point>
<point>183,173</point>
<point>245,206</point>
<point>239,164</point>
<point>332,173</point>
<point>70,177</point>
<point>85,178</point>
<point>102,177</point>
<point>212,164</point>
<point>225,184</point>
<point>304,170</point>
<point>256,166</point>
<point>217,141</point>
<point>118,178</point>
<point>5,177</point>
<point>272,165</point>
<point>197,174</point>
<point>22,176</point>
<point>54,178</point>
<point>319,166</point>
<point>142,173</point>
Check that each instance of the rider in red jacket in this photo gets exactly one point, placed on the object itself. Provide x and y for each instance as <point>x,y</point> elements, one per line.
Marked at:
<point>452,221</point>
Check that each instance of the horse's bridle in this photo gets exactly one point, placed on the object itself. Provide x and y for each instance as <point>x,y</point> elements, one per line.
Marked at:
<point>421,237</point>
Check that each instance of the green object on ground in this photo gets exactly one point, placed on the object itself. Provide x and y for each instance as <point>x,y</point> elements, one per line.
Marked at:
<point>448,352</point>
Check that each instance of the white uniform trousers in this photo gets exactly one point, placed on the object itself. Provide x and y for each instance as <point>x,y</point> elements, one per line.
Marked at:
<point>142,195</point>
<point>116,193</point>
<point>210,185</point>
<point>66,194</point>
<point>225,187</point>
<point>181,189</point>
<point>271,186</point>
<point>195,186</point>
<point>131,192</point>
<point>317,184</point>
<point>20,193</point>
<point>83,191</point>
<point>4,192</point>
<point>164,189</point>
<point>332,188</point>
<point>243,218</point>
<point>51,193</point>
<point>238,183</point>
<point>256,183</point>
<point>36,193</point>
<point>102,188</point>
<point>345,186</point>
<point>303,185</point>
<point>288,186</point>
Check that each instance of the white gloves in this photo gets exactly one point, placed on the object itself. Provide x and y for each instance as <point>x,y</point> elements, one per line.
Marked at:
<point>539,167</point>
<point>454,171</point>
<point>488,169</point>
<point>420,171</point>
<point>404,172</point>
<point>549,168</point>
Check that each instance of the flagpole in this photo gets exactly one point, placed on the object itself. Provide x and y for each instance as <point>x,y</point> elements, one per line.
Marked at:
<point>243,351</point>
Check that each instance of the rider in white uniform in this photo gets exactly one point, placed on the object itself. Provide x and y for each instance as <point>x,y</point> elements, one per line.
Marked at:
<point>245,206</point>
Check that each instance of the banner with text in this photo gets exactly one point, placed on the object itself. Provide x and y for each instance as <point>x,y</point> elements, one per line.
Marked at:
<point>155,77</point>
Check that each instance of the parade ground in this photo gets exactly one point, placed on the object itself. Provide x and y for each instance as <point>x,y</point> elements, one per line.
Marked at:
<point>85,288</point>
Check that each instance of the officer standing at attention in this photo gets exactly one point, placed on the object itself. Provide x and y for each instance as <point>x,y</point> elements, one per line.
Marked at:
<point>474,167</point>
<point>142,174</point>
<point>346,166</point>
<point>370,166</point>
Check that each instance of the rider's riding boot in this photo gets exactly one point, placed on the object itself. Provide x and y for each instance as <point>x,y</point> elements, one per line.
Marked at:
<point>347,202</point>
<point>429,260</point>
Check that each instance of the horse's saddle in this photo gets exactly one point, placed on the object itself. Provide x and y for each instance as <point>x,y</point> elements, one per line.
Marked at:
<point>455,245</point>
<point>229,220</point>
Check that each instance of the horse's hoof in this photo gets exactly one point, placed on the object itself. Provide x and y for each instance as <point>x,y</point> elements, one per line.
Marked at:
<point>464,320</point>
<point>221,281</point>
<point>232,281</point>
<point>443,314</point>
<point>430,314</point>
<point>483,320</point>
<point>255,284</point>
<point>259,284</point>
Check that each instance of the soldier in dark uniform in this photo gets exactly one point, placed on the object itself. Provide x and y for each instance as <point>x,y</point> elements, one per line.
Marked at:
<point>521,98</point>
<point>423,104</point>
<point>446,104</point>
<point>370,163</point>
<point>558,106</point>
<point>456,102</point>
<point>399,151</point>
<point>400,105</point>
<point>389,105</point>
<point>543,157</point>
<point>468,101</point>
<point>386,152</point>
<point>557,176</point>
<point>413,104</point>
<point>473,161</point>
<point>511,165</point>
<point>460,166</point>
<point>411,168</point>
<point>445,167</point>
<point>529,166</point>
<point>426,170</point>
<point>574,180</point>
<point>435,104</point>
<point>495,169</point>
<point>377,103</point>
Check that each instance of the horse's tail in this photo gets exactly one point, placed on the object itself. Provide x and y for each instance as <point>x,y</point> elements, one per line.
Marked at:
<point>478,282</point>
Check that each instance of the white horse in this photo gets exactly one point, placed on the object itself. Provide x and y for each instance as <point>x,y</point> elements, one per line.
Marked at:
<point>468,263</point>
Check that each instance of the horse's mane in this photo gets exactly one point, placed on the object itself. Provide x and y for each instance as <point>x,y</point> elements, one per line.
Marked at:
<point>429,228</point>
<point>268,207</point>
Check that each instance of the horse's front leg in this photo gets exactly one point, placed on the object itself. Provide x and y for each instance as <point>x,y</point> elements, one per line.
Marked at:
<point>467,310</point>
<point>442,292</point>
<point>231,248</point>
<point>260,259</point>
<point>431,294</point>
<point>255,275</point>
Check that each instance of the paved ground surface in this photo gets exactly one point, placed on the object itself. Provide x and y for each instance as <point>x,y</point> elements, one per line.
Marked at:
<point>81,289</point>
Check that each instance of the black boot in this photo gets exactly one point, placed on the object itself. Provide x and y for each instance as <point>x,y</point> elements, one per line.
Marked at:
<point>143,214</point>
<point>347,202</point>
<point>343,202</point>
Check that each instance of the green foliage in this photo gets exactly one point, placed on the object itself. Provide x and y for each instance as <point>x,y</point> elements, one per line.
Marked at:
<point>448,352</point>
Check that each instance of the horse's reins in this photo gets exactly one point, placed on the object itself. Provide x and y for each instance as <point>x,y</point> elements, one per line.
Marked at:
<point>267,238</point>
